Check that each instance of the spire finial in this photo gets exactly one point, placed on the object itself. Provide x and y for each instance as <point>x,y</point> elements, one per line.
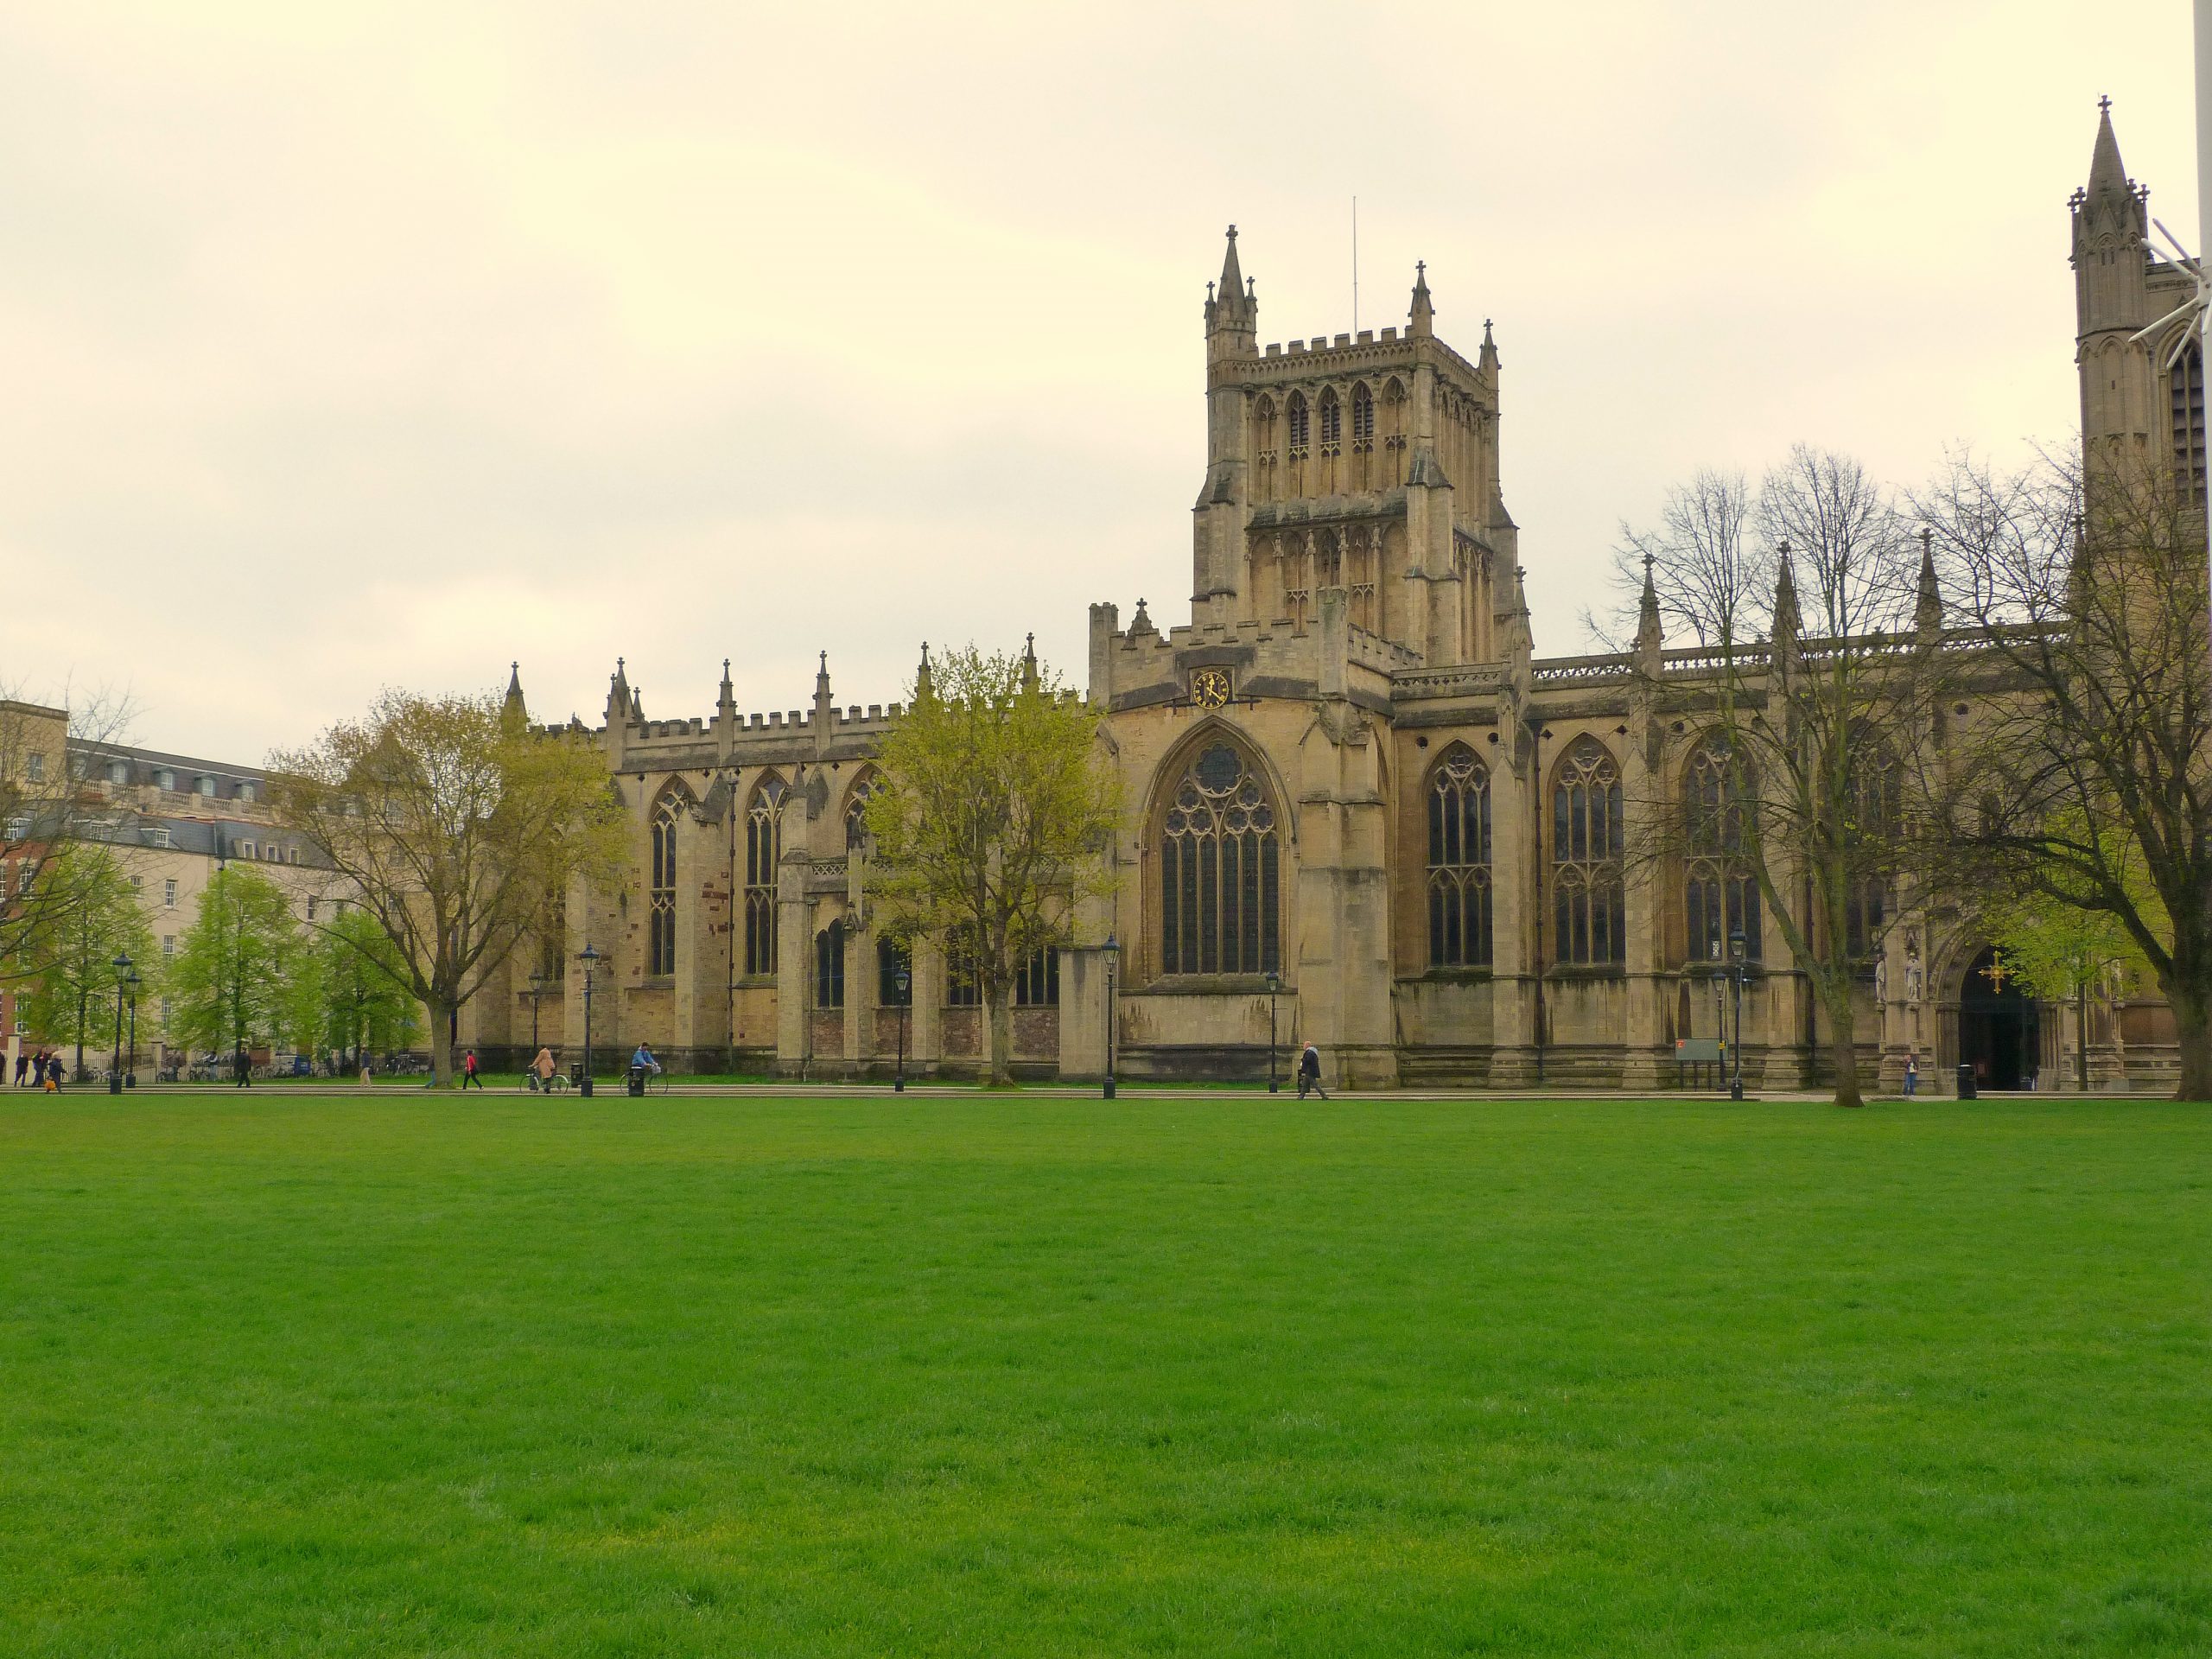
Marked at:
<point>725,668</point>
<point>2104,107</point>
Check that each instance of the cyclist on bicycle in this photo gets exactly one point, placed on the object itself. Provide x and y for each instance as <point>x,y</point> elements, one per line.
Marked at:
<point>541,1069</point>
<point>643,1059</point>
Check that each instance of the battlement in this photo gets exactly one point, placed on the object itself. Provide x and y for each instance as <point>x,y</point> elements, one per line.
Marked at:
<point>1325,343</point>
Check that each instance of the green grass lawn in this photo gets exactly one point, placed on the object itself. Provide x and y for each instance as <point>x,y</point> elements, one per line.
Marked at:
<point>394,1374</point>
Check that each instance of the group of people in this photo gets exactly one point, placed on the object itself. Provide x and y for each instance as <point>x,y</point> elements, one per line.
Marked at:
<point>43,1070</point>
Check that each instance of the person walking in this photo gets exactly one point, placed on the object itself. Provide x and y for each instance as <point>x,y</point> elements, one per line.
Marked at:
<point>1911,1075</point>
<point>541,1070</point>
<point>49,1071</point>
<point>469,1072</point>
<point>1309,1072</point>
<point>23,1066</point>
<point>244,1062</point>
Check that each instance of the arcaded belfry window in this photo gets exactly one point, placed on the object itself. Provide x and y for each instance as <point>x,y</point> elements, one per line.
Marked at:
<point>1720,894</point>
<point>1586,841</point>
<point>1220,870</point>
<point>2186,383</point>
<point>1298,426</point>
<point>660,907</point>
<point>1363,415</point>
<point>764,850</point>
<point>1459,861</point>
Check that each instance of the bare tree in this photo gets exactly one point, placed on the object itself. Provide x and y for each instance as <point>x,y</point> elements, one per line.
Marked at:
<point>2086,772</point>
<point>1812,680</point>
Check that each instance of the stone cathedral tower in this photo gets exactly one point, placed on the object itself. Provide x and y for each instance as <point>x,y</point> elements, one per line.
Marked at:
<point>1365,463</point>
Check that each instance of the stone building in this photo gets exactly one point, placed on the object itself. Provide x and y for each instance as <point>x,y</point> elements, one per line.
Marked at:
<point>1362,810</point>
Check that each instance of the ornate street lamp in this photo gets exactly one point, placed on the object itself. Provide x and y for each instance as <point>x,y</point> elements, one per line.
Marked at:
<point>1736,1048</point>
<point>1275,984</point>
<point>122,965</point>
<point>590,959</point>
<point>131,1058</point>
<point>536,995</point>
<point>1113,951</point>
<point>903,982</point>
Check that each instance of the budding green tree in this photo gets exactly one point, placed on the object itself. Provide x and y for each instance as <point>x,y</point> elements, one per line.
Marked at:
<point>243,974</point>
<point>70,995</point>
<point>994,805</point>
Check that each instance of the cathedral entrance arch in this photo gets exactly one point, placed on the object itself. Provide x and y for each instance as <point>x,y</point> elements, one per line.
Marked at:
<point>1999,1029</point>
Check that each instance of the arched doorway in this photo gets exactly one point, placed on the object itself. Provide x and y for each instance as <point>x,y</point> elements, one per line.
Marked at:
<point>1999,1030</point>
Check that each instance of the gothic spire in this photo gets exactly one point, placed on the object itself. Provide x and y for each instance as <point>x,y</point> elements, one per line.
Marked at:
<point>1650,632</point>
<point>1787,622</point>
<point>1231,311</point>
<point>1029,665</point>
<point>924,687</point>
<point>2106,173</point>
<point>1486,360</point>
<point>1422,317</point>
<point>513,708</point>
<point>1232,274</point>
<point>621,705</point>
<point>1928,607</point>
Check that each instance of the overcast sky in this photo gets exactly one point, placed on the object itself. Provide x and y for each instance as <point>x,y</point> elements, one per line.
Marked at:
<point>345,347</point>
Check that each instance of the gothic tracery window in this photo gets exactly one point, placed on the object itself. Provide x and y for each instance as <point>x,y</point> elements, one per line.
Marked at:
<point>1873,804</point>
<point>1037,981</point>
<point>1720,893</point>
<point>1459,861</point>
<point>857,838</point>
<point>660,900</point>
<point>1333,421</point>
<point>1587,896</point>
<point>1220,869</point>
<point>1299,425</point>
<point>764,850</point>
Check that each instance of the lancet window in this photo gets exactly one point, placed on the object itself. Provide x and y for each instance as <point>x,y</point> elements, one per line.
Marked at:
<point>1720,893</point>
<point>660,895</point>
<point>1459,861</point>
<point>2186,386</point>
<point>892,959</point>
<point>1037,981</point>
<point>857,838</point>
<point>1588,836</point>
<point>1299,426</point>
<point>1220,869</point>
<point>829,966</point>
<point>1873,806</point>
<point>764,851</point>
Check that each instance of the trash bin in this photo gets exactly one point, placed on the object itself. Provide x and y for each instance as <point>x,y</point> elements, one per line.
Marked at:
<point>1966,1090</point>
<point>637,1079</point>
<point>577,1072</point>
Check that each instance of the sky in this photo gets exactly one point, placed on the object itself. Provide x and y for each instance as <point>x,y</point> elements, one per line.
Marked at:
<point>345,347</point>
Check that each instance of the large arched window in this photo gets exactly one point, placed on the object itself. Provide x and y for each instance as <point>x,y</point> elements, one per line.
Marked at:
<point>1220,869</point>
<point>1333,421</point>
<point>1459,861</point>
<point>1720,893</point>
<point>1586,838</point>
<point>893,962</point>
<point>764,850</point>
<point>1298,426</point>
<point>829,966</point>
<point>660,896</point>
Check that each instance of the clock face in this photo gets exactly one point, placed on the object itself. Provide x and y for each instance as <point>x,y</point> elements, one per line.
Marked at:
<point>1210,687</point>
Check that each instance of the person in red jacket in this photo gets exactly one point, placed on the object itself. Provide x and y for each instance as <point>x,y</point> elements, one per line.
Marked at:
<point>468,1071</point>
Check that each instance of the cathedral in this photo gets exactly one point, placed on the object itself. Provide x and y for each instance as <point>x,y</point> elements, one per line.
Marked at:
<point>1361,810</point>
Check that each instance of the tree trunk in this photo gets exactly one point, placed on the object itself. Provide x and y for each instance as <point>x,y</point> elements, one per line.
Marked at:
<point>443,1012</point>
<point>999,1013</point>
<point>1843,1033</point>
<point>2190,996</point>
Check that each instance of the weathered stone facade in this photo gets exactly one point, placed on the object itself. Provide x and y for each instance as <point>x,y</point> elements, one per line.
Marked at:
<point>1349,770</point>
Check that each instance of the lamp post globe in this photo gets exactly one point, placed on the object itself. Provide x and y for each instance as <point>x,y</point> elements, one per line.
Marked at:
<point>1735,1045</point>
<point>1113,954</point>
<point>122,966</point>
<point>590,958</point>
<point>903,980</point>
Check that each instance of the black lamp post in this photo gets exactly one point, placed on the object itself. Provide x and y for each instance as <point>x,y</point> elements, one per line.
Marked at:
<point>536,995</point>
<point>1275,984</point>
<point>122,965</point>
<point>903,980</point>
<point>589,957</point>
<point>1736,1048</point>
<point>1113,951</point>
<point>130,1057</point>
